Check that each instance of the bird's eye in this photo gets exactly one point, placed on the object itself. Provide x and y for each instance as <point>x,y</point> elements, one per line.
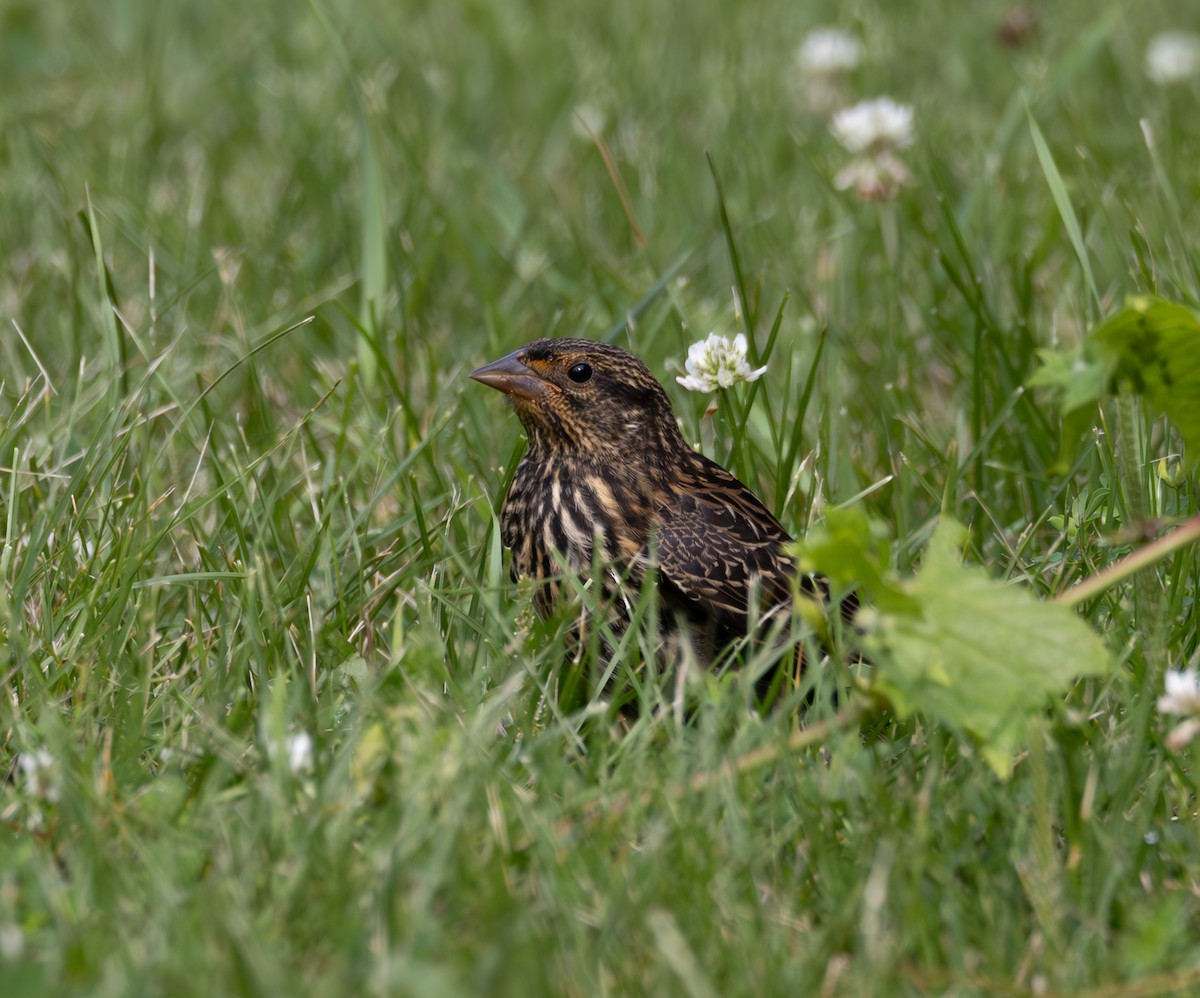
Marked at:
<point>580,373</point>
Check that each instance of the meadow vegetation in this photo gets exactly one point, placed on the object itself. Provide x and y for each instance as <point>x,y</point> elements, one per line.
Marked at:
<point>274,719</point>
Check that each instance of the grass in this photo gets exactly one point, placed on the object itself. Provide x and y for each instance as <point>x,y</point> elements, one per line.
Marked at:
<point>247,498</point>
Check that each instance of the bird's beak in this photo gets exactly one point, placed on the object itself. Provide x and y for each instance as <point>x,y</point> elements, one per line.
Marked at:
<point>510,376</point>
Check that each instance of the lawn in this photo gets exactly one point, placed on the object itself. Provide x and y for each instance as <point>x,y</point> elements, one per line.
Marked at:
<point>275,721</point>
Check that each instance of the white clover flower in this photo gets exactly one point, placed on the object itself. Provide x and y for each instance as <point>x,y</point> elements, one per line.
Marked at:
<point>1182,694</point>
<point>1172,57</point>
<point>874,126</point>
<point>873,178</point>
<point>718,363</point>
<point>296,750</point>
<point>39,770</point>
<point>1182,697</point>
<point>1182,734</point>
<point>828,51</point>
<point>299,750</point>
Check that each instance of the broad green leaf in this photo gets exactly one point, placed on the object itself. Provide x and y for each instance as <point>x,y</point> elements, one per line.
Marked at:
<point>1078,376</point>
<point>1152,346</point>
<point>850,550</point>
<point>981,657</point>
<point>976,655</point>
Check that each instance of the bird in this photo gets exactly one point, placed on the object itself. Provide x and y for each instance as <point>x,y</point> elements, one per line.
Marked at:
<point>608,481</point>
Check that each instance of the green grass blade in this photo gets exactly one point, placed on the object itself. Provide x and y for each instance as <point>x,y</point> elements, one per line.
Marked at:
<point>1062,201</point>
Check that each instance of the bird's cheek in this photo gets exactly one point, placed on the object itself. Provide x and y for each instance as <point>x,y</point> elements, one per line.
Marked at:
<point>541,408</point>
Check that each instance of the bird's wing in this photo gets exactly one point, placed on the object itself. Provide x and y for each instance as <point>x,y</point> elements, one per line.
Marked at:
<point>715,539</point>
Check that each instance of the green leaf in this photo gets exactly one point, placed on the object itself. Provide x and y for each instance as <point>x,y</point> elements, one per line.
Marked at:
<point>980,657</point>
<point>976,655</point>
<point>1152,346</point>
<point>1078,377</point>
<point>852,551</point>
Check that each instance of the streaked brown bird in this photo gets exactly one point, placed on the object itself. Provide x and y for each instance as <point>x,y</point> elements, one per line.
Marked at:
<point>608,480</point>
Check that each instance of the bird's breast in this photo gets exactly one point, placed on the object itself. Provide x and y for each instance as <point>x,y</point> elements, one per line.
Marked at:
<point>561,513</point>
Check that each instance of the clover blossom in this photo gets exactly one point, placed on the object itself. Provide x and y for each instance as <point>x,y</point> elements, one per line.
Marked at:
<point>874,126</point>
<point>717,362</point>
<point>1173,57</point>
<point>1182,697</point>
<point>873,130</point>
<point>827,52</point>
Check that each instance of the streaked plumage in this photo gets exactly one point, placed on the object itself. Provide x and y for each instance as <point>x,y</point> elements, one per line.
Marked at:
<point>607,466</point>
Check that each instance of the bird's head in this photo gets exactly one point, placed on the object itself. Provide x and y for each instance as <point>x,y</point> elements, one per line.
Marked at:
<point>580,395</point>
